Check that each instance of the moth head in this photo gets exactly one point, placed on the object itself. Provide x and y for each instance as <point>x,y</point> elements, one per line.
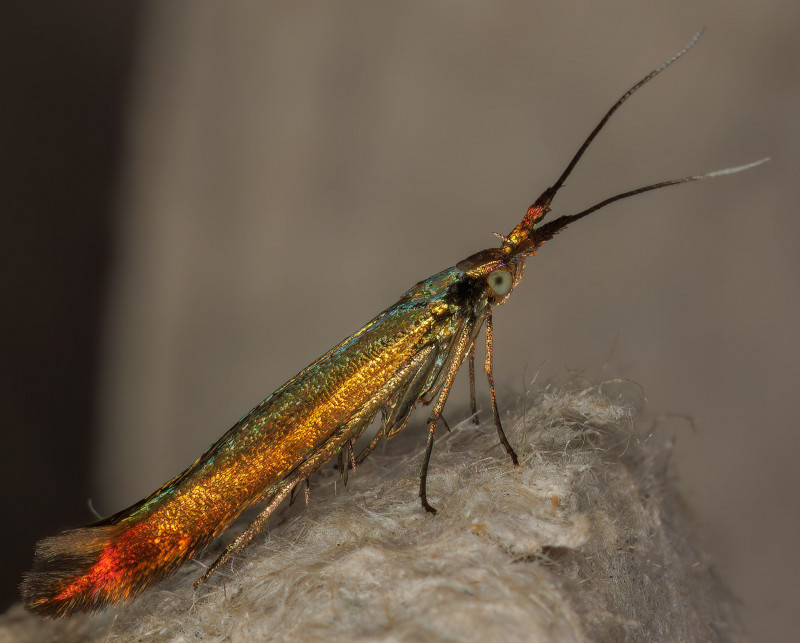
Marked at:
<point>498,273</point>
<point>501,268</point>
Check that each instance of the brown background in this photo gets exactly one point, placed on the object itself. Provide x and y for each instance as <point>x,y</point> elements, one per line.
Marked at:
<point>287,172</point>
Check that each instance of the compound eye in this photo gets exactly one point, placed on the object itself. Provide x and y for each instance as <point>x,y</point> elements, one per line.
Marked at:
<point>500,281</point>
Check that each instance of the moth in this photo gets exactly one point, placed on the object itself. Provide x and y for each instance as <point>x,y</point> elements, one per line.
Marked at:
<point>406,356</point>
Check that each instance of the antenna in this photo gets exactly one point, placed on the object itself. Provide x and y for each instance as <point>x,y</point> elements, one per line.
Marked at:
<point>521,236</point>
<point>550,229</point>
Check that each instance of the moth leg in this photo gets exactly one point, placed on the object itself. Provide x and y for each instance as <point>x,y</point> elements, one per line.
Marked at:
<point>296,492</point>
<point>293,495</point>
<point>347,459</point>
<point>488,367</point>
<point>246,537</point>
<point>341,467</point>
<point>322,455</point>
<point>433,420</point>
<point>423,475</point>
<point>369,448</point>
<point>352,453</point>
<point>473,407</point>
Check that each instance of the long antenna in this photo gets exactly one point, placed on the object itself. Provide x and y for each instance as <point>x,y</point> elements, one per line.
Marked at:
<point>550,229</point>
<point>522,236</point>
<point>547,196</point>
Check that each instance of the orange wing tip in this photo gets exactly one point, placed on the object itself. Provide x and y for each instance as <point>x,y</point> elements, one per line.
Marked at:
<point>66,575</point>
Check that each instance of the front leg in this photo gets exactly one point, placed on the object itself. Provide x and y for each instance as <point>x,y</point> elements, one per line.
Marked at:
<point>461,349</point>
<point>488,367</point>
<point>473,405</point>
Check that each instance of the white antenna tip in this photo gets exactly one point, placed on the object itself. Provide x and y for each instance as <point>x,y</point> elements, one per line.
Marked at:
<point>734,170</point>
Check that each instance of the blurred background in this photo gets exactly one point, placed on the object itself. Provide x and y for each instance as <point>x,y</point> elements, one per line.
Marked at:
<point>199,199</point>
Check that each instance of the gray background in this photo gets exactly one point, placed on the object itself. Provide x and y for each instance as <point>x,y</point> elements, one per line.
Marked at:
<point>288,172</point>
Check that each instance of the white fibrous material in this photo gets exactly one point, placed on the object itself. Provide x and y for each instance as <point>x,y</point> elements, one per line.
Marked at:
<point>582,542</point>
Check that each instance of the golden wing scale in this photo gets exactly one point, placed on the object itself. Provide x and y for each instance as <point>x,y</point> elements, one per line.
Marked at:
<point>408,354</point>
